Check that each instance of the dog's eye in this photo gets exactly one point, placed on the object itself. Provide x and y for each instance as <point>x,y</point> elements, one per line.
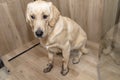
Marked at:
<point>32,16</point>
<point>45,16</point>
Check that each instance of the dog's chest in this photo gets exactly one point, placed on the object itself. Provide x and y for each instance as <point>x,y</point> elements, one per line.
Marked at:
<point>51,45</point>
<point>54,49</point>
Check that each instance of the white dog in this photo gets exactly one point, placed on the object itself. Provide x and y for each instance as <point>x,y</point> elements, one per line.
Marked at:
<point>56,33</point>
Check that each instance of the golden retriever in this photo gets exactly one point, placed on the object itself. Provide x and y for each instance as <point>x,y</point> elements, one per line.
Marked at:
<point>56,33</point>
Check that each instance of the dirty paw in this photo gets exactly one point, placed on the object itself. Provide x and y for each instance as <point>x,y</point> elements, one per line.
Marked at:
<point>48,68</point>
<point>65,71</point>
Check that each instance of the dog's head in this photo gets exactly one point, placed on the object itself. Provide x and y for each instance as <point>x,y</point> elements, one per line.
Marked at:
<point>42,16</point>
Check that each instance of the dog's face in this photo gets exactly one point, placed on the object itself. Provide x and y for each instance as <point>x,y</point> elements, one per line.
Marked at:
<point>41,16</point>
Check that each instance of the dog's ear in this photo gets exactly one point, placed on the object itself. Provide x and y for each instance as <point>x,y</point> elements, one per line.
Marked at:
<point>54,15</point>
<point>27,15</point>
<point>28,19</point>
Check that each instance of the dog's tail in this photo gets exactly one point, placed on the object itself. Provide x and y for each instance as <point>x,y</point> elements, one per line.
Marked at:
<point>84,50</point>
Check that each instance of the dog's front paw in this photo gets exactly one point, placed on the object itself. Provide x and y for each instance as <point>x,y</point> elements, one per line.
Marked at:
<point>75,60</point>
<point>48,68</point>
<point>64,71</point>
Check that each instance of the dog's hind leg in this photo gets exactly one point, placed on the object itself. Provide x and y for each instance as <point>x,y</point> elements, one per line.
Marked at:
<point>82,50</point>
<point>76,59</point>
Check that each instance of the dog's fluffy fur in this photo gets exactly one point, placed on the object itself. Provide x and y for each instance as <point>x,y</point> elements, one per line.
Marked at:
<point>60,34</point>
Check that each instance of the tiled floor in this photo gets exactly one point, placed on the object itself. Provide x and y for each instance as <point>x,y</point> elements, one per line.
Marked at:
<point>30,66</point>
<point>109,70</point>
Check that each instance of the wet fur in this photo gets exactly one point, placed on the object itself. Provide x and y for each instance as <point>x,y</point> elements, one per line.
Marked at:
<point>64,35</point>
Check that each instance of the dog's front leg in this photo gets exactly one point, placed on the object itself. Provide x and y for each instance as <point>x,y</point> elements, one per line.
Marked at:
<point>50,63</point>
<point>65,68</point>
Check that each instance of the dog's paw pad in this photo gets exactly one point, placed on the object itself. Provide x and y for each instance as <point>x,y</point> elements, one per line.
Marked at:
<point>65,72</point>
<point>75,60</point>
<point>48,68</point>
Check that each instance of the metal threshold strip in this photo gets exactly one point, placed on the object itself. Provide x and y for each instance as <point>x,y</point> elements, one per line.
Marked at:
<point>23,52</point>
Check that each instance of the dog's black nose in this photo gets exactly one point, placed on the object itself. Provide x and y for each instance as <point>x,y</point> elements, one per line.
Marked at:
<point>39,33</point>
